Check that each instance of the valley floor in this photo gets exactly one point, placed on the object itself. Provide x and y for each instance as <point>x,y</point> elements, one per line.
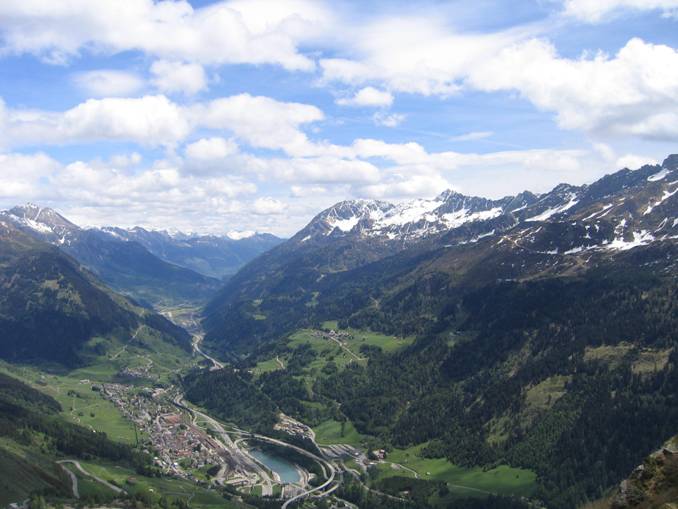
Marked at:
<point>132,395</point>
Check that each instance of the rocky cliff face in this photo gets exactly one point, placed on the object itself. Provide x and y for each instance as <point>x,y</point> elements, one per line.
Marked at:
<point>652,485</point>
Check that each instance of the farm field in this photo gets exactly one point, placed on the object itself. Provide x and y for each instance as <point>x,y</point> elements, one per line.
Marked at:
<point>502,480</point>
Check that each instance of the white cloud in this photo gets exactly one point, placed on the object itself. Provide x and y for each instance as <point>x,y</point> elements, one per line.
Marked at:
<point>415,55</point>
<point>108,82</point>
<point>594,11</point>
<point>388,119</point>
<point>20,173</point>
<point>472,136</point>
<point>126,160</point>
<point>368,96</point>
<point>157,121</point>
<point>313,170</point>
<point>235,32</point>
<point>632,93</point>
<point>268,206</point>
<point>405,186</point>
<point>148,120</point>
<point>260,121</point>
<point>304,191</point>
<point>633,161</point>
<point>635,92</point>
<point>164,192</point>
<point>173,77</point>
<point>207,149</point>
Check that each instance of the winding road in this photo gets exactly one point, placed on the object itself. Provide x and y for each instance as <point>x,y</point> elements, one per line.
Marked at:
<point>329,469</point>
<point>74,478</point>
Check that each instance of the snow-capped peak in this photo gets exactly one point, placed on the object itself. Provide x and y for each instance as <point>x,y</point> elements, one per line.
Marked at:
<point>42,220</point>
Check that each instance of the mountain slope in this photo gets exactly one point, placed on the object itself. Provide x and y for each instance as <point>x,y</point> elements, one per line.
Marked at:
<point>50,308</point>
<point>33,436</point>
<point>126,266</point>
<point>653,484</point>
<point>357,260</point>
<point>545,334</point>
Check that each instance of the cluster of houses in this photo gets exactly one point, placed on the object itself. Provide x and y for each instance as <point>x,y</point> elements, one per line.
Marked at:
<point>178,444</point>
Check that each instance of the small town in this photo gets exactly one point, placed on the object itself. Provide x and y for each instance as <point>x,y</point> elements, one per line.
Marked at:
<point>179,446</point>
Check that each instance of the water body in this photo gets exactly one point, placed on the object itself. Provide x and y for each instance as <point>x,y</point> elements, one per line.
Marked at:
<point>287,471</point>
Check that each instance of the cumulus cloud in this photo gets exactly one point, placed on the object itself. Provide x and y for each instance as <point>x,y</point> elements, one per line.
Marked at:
<point>633,161</point>
<point>157,121</point>
<point>399,186</point>
<point>108,82</point>
<point>323,169</point>
<point>634,92</point>
<point>593,11</point>
<point>268,206</point>
<point>21,172</point>
<point>260,121</point>
<point>173,77</point>
<point>94,192</point>
<point>148,121</point>
<point>207,149</point>
<point>226,32</point>
<point>304,191</point>
<point>165,192</point>
<point>126,160</point>
<point>630,93</point>
<point>368,96</point>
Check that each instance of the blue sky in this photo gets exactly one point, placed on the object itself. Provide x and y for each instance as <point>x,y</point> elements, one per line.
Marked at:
<point>214,116</point>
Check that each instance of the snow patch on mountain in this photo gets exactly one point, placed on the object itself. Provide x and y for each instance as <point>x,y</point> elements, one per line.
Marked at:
<point>456,219</point>
<point>667,194</point>
<point>547,214</point>
<point>658,176</point>
<point>641,238</point>
<point>410,212</point>
<point>34,225</point>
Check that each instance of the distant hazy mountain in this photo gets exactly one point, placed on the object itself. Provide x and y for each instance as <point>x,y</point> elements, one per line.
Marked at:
<point>371,249</point>
<point>210,255</point>
<point>127,266</point>
<point>50,308</point>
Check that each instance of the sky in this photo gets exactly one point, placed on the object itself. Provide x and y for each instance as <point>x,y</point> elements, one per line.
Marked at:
<point>254,115</point>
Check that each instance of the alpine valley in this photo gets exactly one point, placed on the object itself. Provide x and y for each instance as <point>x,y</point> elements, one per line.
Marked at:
<point>455,352</point>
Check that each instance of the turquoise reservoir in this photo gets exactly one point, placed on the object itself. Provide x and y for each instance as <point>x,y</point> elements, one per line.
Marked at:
<point>287,471</point>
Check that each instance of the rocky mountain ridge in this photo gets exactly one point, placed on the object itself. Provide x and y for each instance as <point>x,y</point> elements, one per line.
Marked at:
<point>471,241</point>
<point>417,220</point>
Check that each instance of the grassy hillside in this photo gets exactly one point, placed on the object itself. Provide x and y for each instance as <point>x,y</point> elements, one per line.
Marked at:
<point>33,435</point>
<point>541,372</point>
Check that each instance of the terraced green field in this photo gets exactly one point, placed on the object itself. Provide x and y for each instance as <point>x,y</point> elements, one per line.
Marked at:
<point>79,403</point>
<point>502,480</point>
<point>330,432</point>
<point>73,389</point>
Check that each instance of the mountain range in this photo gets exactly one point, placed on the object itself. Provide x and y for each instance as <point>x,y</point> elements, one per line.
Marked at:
<point>536,332</point>
<point>542,327</point>
<point>155,268</point>
<point>354,258</point>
